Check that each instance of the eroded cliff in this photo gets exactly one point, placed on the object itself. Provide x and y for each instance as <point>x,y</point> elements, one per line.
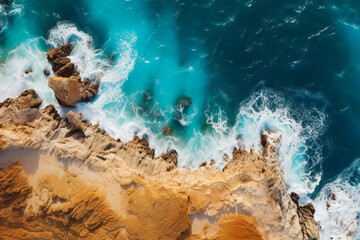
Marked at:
<point>62,178</point>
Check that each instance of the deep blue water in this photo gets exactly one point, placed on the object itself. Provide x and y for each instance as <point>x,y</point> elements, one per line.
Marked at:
<point>246,65</point>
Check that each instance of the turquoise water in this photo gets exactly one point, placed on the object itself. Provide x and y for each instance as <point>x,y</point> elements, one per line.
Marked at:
<point>288,66</point>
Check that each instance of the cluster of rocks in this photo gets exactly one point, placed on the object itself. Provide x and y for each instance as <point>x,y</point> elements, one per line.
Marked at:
<point>68,87</point>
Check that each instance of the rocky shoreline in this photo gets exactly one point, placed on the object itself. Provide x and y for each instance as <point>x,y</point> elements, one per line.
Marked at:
<point>63,178</point>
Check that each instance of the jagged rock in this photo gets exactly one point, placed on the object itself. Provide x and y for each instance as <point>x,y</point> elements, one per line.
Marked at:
<point>55,53</point>
<point>46,72</point>
<point>66,48</point>
<point>59,63</point>
<point>21,109</point>
<point>58,59</point>
<point>144,146</point>
<point>27,99</point>
<point>170,157</point>
<point>295,198</point>
<point>67,70</point>
<point>203,164</point>
<point>29,70</point>
<point>67,90</point>
<point>88,90</point>
<point>167,130</point>
<point>309,226</point>
<point>75,119</point>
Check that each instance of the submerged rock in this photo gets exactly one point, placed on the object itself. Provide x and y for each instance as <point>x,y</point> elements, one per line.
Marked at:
<point>166,130</point>
<point>184,102</point>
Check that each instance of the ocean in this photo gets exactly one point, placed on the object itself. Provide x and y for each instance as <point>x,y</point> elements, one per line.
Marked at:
<point>217,72</point>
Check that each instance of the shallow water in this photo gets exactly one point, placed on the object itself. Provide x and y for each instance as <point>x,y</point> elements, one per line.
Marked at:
<point>246,65</point>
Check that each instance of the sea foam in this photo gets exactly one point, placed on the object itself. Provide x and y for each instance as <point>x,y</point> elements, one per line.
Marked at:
<point>338,205</point>
<point>14,80</point>
<point>300,149</point>
<point>6,11</point>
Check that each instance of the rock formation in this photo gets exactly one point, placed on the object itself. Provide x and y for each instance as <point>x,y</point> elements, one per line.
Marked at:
<point>67,84</point>
<point>309,226</point>
<point>63,178</point>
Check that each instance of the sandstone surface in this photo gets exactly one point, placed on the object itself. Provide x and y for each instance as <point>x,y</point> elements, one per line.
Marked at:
<point>63,178</point>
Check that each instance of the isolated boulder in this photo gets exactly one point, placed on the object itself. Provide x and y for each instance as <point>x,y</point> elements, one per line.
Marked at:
<point>69,91</point>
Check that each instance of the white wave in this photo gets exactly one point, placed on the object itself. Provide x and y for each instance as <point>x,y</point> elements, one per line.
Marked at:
<point>110,110</point>
<point>6,11</point>
<point>338,206</point>
<point>218,143</point>
<point>3,20</point>
<point>13,79</point>
<point>89,61</point>
<point>299,152</point>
